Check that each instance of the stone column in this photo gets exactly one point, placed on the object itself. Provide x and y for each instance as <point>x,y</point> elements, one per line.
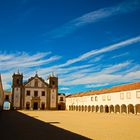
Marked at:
<point>120,109</point>
<point>109,109</point>
<point>103,109</point>
<point>127,109</point>
<point>135,112</point>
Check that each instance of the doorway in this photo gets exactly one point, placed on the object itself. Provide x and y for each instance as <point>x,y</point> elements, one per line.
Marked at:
<point>6,105</point>
<point>35,106</point>
<point>43,106</point>
<point>106,109</point>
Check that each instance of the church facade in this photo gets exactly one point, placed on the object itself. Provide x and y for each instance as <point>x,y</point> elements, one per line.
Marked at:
<point>35,93</point>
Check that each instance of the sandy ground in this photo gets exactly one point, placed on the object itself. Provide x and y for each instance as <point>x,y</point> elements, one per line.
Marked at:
<point>97,126</point>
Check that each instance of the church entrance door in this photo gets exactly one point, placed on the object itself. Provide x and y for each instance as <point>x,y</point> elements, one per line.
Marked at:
<point>35,106</point>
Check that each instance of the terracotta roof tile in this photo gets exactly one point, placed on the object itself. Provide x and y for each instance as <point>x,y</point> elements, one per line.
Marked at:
<point>125,87</point>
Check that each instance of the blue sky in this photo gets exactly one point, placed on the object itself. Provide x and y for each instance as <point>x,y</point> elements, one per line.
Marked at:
<point>89,44</point>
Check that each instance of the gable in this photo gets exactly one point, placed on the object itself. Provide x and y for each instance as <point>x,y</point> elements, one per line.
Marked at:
<point>35,82</point>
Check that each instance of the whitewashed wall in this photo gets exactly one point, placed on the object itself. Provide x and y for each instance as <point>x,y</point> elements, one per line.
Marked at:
<point>53,98</point>
<point>17,95</point>
<point>42,98</point>
<point>102,99</point>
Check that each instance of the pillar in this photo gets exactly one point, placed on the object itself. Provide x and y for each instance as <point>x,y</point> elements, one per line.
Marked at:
<point>127,109</point>
<point>135,112</point>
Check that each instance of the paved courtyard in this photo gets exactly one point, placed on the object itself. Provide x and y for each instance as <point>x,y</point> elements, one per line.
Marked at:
<point>96,126</point>
<point>68,125</point>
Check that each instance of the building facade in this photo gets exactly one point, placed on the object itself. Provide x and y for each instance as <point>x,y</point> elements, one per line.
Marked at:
<point>1,94</point>
<point>118,99</point>
<point>61,101</point>
<point>35,93</point>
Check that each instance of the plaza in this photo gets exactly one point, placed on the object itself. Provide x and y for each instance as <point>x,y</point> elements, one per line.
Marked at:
<point>97,126</point>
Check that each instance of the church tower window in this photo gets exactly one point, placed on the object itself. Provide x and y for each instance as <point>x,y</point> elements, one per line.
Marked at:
<point>17,81</point>
<point>53,82</point>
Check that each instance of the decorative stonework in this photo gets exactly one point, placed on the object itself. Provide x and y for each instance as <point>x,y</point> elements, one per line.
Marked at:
<point>30,93</point>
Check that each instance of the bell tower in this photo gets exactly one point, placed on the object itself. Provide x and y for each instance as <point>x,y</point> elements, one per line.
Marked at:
<point>53,88</point>
<point>17,84</point>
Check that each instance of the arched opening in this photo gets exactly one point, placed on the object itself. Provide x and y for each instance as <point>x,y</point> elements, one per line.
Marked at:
<point>85,108</point>
<point>138,108</point>
<point>117,109</point>
<point>6,105</point>
<point>106,109</point>
<point>76,108</point>
<point>82,108</point>
<point>89,108</point>
<point>42,106</point>
<point>93,108</point>
<point>111,109</point>
<point>123,108</point>
<point>130,108</point>
<point>97,108</point>
<point>61,106</point>
<point>101,109</point>
<point>27,105</point>
<point>69,107</point>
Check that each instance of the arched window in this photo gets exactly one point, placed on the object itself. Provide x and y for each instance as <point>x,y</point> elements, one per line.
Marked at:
<point>53,82</point>
<point>61,98</point>
<point>17,81</point>
<point>96,98</point>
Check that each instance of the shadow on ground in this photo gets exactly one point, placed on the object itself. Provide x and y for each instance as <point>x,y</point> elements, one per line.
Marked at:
<point>17,126</point>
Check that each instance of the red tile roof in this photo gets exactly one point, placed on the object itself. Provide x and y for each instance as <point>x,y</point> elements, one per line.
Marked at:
<point>125,87</point>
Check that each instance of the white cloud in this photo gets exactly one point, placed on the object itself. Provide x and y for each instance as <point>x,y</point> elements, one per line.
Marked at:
<point>22,60</point>
<point>10,63</point>
<point>120,55</point>
<point>80,74</point>
<point>95,16</point>
<point>110,74</point>
<point>64,88</point>
<point>96,59</point>
<point>103,50</point>
<point>96,85</point>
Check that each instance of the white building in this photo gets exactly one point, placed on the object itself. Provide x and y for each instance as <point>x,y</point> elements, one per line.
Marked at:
<point>118,99</point>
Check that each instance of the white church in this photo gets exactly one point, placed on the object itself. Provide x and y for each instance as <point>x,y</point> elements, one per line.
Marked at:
<point>118,99</point>
<point>35,93</point>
